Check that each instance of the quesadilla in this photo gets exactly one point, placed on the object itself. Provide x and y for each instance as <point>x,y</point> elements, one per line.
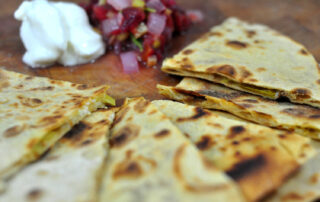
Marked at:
<point>304,186</point>
<point>302,119</point>
<point>258,158</point>
<point>151,160</point>
<point>35,112</point>
<point>71,170</point>
<point>251,58</point>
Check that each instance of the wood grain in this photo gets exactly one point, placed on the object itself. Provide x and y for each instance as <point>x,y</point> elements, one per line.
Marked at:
<point>295,18</point>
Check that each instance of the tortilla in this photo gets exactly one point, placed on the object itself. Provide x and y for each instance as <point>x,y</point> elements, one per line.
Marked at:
<point>302,119</point>
<point>71,170</point>
<point>35,112</point>
<point>151,160</point>
<point>251,58</point>
<point>303,187</point>
<point>258,158</point>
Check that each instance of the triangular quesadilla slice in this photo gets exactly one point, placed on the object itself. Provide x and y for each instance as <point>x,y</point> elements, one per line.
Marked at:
<point>304,186</point>
<point>251,58</point>
<point>151,160</point>
<point>258,158</point>
<point>35,112</point>
<point>71,170</point>
<point>302,119</point>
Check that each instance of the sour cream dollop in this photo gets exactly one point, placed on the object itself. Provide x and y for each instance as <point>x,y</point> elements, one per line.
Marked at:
<point>57,32</point>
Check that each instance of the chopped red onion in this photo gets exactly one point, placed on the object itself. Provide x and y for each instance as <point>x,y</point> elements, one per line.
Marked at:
<point>120,4</point>
<point>156,23</point>
<point>156,4</point>
<point>129,62</point>
<point>111,25</point>
<point>120,18</point>
<point>195,15</point>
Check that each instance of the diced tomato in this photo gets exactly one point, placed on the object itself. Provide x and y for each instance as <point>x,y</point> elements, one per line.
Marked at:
<point>145,29</point>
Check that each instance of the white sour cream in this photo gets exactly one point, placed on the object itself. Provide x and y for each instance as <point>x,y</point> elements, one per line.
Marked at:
<point>57,32</point>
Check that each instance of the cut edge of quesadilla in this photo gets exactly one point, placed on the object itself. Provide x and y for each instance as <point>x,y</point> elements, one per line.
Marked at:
<point>218,78</point>
<point>208,102</point>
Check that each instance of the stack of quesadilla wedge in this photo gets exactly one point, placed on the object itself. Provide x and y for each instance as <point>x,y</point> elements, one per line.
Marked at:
<point>71,170</point>
<point>151,160</point>
<point>262,64</point>
<point>258,158</point>
<point>35,112</point>
<point>302,119</point>
<point>243,69</point>
<point>251,58</point>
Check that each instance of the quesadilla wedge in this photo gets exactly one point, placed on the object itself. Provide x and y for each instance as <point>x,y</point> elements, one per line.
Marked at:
<point>35,112</point>
<point>302,119</point>
<point>151,160</point>
<point>251,58</point>
<point>258,158</point>
<point>304,186</point>
<point>71,170</point>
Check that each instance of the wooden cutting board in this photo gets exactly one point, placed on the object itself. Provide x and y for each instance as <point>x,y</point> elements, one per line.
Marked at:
<point>295,18</point>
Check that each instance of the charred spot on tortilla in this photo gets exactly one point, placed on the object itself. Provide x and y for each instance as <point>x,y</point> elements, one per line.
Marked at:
<point>205,142</point>
<point>253,80</point>
<point>141,106</point>
<point>187,66</point>
<point>261,69</point>
<point>301,93</point>
<point>251,100</point>
<point>303,52</point>
<point>187,52</point>
<point>127,169</point>
<point>305,112</point>
<point>244,73</point>
<point>227,70</point>
<point>199,113</point>
<point>247,166</point>
<point>294,196</point>
<point>246,106</point>
<point>238,45</point>
<point>176,161</point>
<point>218,34</point>
<point>76,130</point>
<point>162,133</point>
<point>34,194</point>
<point>120,115</point>
<point>82,87</point>
<point>13,131</point>
<point>235,130</point>
<point>124,135</point>
<point>250,33</point>
<point>221,94</point>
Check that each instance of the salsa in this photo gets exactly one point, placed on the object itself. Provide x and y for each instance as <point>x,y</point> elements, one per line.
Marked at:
<point>137,29</point>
